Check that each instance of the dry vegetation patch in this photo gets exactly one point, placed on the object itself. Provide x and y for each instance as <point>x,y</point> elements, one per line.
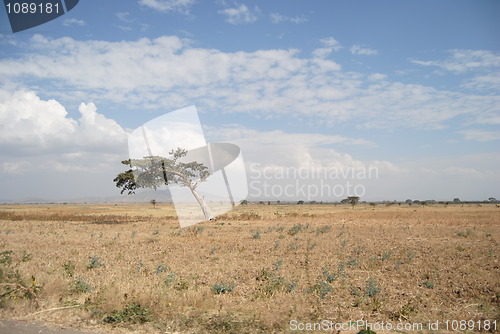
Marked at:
<point>252,270</point>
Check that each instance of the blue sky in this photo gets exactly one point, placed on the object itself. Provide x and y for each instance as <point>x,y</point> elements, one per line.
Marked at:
<point>410,87</point>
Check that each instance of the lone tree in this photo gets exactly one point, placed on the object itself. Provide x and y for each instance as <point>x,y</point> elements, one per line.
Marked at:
<point>154,171</point>
<point>153,201</point>
<point>352,200</point>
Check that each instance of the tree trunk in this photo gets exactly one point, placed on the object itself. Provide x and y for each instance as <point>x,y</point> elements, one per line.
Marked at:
<point>203,205</point>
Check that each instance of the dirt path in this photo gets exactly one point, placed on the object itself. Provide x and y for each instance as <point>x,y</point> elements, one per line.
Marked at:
<point>33,327</point>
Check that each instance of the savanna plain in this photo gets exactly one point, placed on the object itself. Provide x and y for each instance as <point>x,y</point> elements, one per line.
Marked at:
<point>129,268</point>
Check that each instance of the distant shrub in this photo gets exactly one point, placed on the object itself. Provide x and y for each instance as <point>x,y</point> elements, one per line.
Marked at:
<point>222,288</point>
<point>79,285</point>
<point>133,313</point>
<point>295,229</point>
<point>322,288</point>
<point>372,288</point>
<point>428,284</point>
<point>94,263</point>
<point>256,235</point>
<point>161,269</point>
<point>323,229</point>
<point>69,268</point>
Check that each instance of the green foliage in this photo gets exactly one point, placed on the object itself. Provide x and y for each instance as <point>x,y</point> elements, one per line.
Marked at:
<point>295,229</point>
<point>271,282</point>
<point>386,255</point>
<point>321,288</point>
<point>94,263</point>
<point>13,284</point>
<point>465,234</point>
<point>323,229</point>
<point>329,277</point>
<point>154,171</point>
<point>133,313</point>
<point>6,257</point>
<point>69,268</point>
<point>222,288</point>
<point>170,279</point>
<point>428,284</point>
<point>256,235</point>
<point>372,288</point>
<point>181,285</point>
<point>352,200</point>
<point>161,269</point>
<point>79,285</point>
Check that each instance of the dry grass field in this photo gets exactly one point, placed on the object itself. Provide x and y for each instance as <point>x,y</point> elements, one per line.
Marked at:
<point>259,269</point>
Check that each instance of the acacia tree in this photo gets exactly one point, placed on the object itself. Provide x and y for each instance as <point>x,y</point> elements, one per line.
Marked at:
<point>352,200</point>
<point>154,171</point>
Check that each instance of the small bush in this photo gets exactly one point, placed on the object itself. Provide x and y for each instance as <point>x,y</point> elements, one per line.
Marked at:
<point>428,284</point>
<point>371,289</point>
<point>222,288</point>
<point>181,285</point>
<point>12,282</point>
<point>79,285</point>
<point>322,288</point>
<point>133,313</point>
<point>295,229</point>
<point>329,277</point>
<point>94,263</point>
<point>69,268</point>
<point>323,229</point>
<point>161,269</point>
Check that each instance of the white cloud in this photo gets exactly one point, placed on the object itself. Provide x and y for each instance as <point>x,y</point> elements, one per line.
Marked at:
<point>30,125</point>
<point>73,22</point>
<point>180,6</point>
<point>47,154</point>
<point>124,17</point>
<point>461,61</point>
<point>15,167</point>
<point>377,77</point>
<point>330,45</point>
<point>489,82</point>
<point>274,158</point>
<point>278,18</point>
<point>480,135</point>
<point>359,50</point>
<point>167,72</point>
<point>240,14</point>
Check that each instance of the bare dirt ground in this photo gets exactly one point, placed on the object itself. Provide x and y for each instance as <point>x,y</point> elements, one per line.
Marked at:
<point>258,269</point>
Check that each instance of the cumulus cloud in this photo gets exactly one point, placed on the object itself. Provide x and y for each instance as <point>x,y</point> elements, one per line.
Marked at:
<point>30,125</point>
<point>167,72</point>
<point>46,154</point>
<point>282,148</point>
<point>240,14</point>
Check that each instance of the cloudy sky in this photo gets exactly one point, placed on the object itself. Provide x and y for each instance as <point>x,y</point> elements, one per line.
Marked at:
<point>407,87</point>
